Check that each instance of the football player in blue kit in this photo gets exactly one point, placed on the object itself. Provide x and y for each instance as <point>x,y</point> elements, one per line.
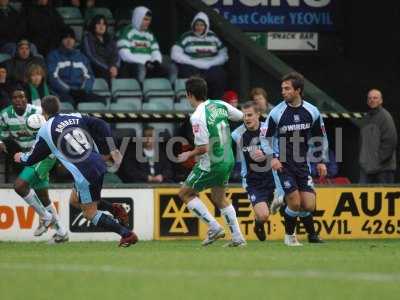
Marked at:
<point>256,172</point>
<point>69,138</point>
<point>296,134</point>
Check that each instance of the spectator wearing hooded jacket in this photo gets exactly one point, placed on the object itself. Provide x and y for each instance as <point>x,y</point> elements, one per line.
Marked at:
<point>43,25</point>
<point>101,49</point>
<point>200,52</point>
<point>70,74</point>
<point>23,58</point>
<point>139,49</point>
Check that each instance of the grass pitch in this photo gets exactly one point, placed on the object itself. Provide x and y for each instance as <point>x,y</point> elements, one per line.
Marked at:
<point>185,270</point>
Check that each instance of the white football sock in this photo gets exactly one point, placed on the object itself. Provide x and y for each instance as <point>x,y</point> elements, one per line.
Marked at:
<point>230,218</point>
<point>33,200</point>
<point>198,209</point>
<point>59,228</point>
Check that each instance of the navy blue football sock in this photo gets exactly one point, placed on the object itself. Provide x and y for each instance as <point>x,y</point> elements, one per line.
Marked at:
<point>108,223</point>
<point>290,220</point>
<point>104,205</point>
<point>307,219</point>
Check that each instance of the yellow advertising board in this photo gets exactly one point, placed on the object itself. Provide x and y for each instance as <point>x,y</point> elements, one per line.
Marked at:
<point>342,213</point>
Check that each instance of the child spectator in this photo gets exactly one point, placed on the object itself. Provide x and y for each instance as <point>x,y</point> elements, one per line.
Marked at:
<point>36,86</point>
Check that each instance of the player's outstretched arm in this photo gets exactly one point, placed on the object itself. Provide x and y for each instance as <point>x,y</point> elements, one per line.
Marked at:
<point>40,151</point>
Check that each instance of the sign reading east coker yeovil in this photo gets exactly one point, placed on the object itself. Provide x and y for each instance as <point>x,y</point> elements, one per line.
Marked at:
<point>277,15</point>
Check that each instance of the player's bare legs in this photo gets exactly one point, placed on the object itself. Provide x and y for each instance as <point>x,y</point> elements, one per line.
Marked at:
<point>261,212</point>
<point>61,233</point>
<point>308,203</point>
<point>23,189</point>
<point>218,195</point>
<point>115,209</point>
<point>190,197</point>
<point>292,211</point>
<point>98,218</point>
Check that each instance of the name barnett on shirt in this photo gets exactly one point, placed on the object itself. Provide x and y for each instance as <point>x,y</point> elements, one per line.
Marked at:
<point>60,127</point>
<point>294,127</point>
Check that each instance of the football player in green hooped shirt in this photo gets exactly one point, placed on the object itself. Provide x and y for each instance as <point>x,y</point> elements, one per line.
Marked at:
<point>33,182</point>
<point>213,145</point>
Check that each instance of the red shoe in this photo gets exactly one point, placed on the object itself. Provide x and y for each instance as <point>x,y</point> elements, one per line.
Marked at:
<point>120,214</point>
<point>131,239</point>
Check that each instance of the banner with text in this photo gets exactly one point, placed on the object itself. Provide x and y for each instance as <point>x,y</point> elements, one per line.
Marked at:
<point>277,15</point>
<point>18,221</point>
<point>342,213</point>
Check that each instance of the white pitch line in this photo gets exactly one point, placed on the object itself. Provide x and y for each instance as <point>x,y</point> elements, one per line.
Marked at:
<point>273,273</point>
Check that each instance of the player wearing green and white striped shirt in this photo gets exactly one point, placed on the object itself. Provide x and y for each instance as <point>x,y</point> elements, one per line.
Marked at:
<point>32,183</point>
<point>213,144</point>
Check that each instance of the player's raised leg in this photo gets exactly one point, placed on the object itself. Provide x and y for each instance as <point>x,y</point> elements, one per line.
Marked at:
<point>308,202</point>
<point>89,195</point>
<point>116,209</point>
<point>189,196</point>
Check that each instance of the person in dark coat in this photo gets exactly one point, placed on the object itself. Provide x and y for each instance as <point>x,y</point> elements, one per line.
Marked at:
<point>6,87</point>
<point>152,165</point>
<point>101,49</point>
<point>23,58</point>
<point>12,27</point>
<point>378,143</point>
<point>43,25</point>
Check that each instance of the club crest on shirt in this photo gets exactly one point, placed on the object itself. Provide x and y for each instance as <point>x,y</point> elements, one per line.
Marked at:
<point>287,184</point>
<point>296,118</point>
<point>196,128</point>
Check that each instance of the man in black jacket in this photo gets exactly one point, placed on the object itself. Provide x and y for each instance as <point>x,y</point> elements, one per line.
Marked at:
<point>378,143</point>
<point>149,164</point>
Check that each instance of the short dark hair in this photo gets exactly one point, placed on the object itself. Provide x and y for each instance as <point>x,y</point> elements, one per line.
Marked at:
<point>296,79</point>
<point>251,104</point>
<point>197,87</point>
<point>51,105</point>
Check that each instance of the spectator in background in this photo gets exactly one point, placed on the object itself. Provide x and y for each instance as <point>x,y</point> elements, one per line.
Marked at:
<point>139,49</point>
<point>260,97</point>
<point>5,87</point>
<point>70,73</point>
<point>36,86</point>
<point>23,58</point>
<point>156,168</point>
<point>12,27</point>
<point>331,168</point>
<point>101,49</point>
<point>232,98</point>
<point>378,142</point>
<point>200,52</point>
<point>43,25</point>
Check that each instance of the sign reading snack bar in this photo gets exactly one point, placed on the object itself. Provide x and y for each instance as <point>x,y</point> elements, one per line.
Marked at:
<point>342,213</point>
